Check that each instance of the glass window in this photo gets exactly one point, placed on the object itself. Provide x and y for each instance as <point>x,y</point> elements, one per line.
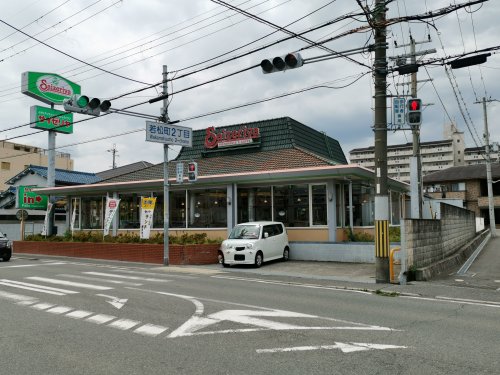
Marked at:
<point>291,205</point>
<point>339,204</point>
<point>395,208</point>
<point>319,206</point>
<point>129,211</point>
<point>363,197</point>
<point>254,204</point>
<point>207,208</point>
<point>177,209</point>
<point>92,213</point>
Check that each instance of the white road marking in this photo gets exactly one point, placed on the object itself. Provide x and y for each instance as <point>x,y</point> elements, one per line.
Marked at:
<point>126,277</point>
<point>101,318</point>
<point>36,288</point>
<point>344,347</point>
<point>79,314</point>
<point>115,301</point>
<point>19,298</point>
<point>43,306</point>
<point>60,310</point>
<point>99,279</point>
<point>455,300</point>
<point>69,283</point>
<point>35,265</point>
<point>150,330</point>
<point>123,324</point>
<point>312,286</point>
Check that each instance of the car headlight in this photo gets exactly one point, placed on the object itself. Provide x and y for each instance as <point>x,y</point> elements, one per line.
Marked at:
<point>226,246</point>
<point>9,244</point>
<point>249,245</point>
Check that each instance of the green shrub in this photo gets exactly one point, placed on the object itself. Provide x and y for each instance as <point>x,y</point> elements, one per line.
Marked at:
<point>157,238</point>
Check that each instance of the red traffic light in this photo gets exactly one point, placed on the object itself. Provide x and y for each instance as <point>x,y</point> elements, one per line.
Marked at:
<point>414,105</point>
<point>192,167</point>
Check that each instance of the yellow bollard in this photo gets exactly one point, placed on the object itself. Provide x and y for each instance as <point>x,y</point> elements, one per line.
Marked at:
<point>391,265</point>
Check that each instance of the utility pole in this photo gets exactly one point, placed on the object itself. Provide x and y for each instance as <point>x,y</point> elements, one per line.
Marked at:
<point>491,202</point>
<point>164,116</point>
<point>114,151</point>
<point>380,148</point>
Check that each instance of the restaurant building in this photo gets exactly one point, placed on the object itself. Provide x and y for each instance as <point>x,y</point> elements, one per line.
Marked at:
<point>277,169</point>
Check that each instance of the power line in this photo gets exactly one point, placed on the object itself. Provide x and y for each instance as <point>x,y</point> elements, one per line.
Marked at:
<point>70,56</point>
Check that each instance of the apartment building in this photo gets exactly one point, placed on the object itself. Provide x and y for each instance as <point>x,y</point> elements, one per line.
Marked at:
<point>435,155</point>
<point>475,155</point>
<point>15,157</point>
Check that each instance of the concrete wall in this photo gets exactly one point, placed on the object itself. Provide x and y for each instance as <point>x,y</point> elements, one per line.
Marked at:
<point>430,241</point>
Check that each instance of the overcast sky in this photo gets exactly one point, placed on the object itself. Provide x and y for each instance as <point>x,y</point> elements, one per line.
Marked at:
<point>135,38</point>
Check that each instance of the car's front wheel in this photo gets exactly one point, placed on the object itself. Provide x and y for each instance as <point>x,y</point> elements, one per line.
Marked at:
<point>258,260</point>
<point>6,258</point>
<point>221,260</point>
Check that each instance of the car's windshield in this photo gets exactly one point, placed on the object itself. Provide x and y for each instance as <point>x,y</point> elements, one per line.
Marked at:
<point>245,231</point>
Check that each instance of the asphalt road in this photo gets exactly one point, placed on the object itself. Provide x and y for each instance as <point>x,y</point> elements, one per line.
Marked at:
<point>75,316</point>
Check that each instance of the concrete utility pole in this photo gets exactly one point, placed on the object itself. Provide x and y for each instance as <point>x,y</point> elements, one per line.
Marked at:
<point>164,115</point>
<point>491,202</point>
<point>380,129</point>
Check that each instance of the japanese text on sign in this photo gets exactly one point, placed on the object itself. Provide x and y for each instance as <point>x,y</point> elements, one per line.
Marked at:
<point>169,134</point>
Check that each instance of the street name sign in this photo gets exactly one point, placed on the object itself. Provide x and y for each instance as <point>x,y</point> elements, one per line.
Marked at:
<point>169,134</point>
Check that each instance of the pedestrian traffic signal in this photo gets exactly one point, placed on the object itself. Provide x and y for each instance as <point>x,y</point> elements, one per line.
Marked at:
<point>279,64</point>
<point>83,104</point>
<point>192,171</point>
<point>414,107</point>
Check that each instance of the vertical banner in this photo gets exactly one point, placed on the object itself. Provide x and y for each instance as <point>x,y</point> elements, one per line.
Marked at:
<point>147,209</point>
<point>111,208</point>
<point>46,221</point>
<point>73,219</point>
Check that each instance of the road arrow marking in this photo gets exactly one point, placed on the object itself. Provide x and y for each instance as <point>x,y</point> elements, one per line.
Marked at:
<point>115,301</point>
<point>344,347</point>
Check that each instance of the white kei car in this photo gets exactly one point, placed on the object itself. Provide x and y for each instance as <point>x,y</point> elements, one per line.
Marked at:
<point>255,243</point>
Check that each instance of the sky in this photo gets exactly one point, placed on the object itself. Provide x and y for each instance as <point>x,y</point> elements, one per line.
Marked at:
<point>112,48</point>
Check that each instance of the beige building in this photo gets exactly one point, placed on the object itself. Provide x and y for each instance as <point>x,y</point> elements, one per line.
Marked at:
<point>14,158</point>
<point>435,155</point>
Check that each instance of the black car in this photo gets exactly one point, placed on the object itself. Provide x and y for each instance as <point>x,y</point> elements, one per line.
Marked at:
<point>5,247</point>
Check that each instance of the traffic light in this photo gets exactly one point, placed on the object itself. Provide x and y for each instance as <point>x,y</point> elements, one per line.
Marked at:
<point>192,171</point>
<point>279,64</point>
<point>414,107</point>
<point>83,104</point>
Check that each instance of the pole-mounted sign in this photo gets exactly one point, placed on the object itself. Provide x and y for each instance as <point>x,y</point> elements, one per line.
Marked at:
<point>49,88</point>
<point>51,119</point>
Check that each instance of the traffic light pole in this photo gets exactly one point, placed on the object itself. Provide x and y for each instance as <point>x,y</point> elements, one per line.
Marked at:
<point>380,129</point>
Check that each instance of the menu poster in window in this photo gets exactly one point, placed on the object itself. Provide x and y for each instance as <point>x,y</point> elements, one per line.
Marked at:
<point>111,208</point>
<point>147,210</point>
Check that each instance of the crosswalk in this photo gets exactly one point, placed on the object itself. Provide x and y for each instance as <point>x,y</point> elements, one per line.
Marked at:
<point>71,284</point>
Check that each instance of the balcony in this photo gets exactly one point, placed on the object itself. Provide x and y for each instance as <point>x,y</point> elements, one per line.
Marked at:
<point>482,202</point>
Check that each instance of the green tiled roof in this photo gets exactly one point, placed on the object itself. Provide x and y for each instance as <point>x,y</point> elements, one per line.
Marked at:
<point>275,134</point>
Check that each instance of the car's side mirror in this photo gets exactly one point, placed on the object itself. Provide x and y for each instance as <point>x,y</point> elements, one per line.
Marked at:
<point>266,234</point>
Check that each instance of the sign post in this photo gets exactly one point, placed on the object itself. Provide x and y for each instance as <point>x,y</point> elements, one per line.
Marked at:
<point>168,134</point>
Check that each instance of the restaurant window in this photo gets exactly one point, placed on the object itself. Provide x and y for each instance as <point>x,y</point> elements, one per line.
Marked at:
<point>207,208</point>
<point>363,200</point>
<point>395,207</point>
<point>291,205</point>
<point>177,210</point>
<point>254,204</point>
<point>339,205</point>
<point>92,213</point>
<point>129,211</point>
<point>318,204</point>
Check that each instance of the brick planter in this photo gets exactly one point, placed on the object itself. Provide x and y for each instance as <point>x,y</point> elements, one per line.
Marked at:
<point>146,253</point>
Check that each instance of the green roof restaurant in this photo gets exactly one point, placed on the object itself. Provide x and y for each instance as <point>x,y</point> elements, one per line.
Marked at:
<point>277,169</point>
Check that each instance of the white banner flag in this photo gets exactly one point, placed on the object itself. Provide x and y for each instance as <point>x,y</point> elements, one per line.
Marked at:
<point>46,221</point>
<point>111,208</point>
<point>147,209</point>
<point>73,219</point>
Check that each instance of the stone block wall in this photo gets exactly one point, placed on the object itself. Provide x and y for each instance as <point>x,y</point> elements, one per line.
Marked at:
<point>430,241</point>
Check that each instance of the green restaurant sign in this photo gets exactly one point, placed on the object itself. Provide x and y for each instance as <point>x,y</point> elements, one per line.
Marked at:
<point>49,88</point>
<point>51,119</point>
<point>27,199</point>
